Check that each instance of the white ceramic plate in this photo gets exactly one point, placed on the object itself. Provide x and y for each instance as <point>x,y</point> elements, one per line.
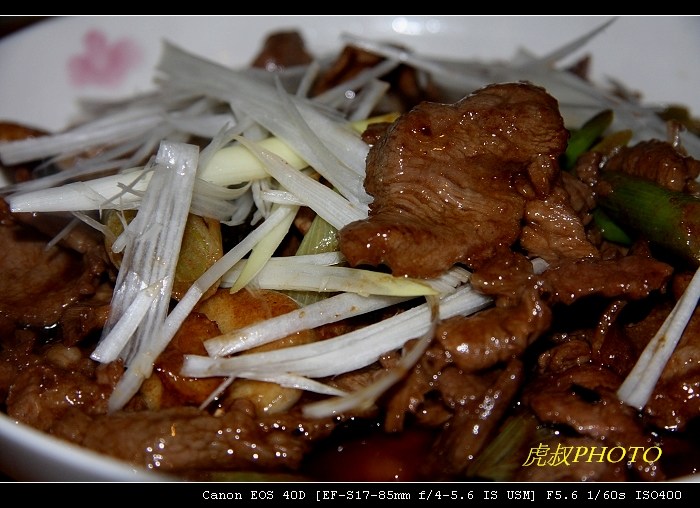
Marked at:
<point>46,68</point>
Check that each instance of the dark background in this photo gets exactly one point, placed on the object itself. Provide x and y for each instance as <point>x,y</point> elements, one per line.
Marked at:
<point>10,24</point>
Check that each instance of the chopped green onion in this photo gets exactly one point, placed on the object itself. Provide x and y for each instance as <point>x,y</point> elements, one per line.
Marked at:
<point>667,218</point>
<point>279,275</point>
<point>609,229</point>
<point>582,139</point>
<point>264,250</point>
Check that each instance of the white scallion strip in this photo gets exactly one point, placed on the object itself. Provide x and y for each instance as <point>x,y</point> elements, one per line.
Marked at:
<point>142,364</point>
<point>75,173</point>
<point>114,342</point>
<point>331,206</point>
<point>222,203</point>
<point>229,166</point>
<point>294,381</point>
<point>152,242</point>
<point>364,77</point>
<point>366,397</point>
<point>89,195</point>
<point>367,100</point>
<point>280,197</point>
<point>263,251</point>
<point>80,138</point>
<point>322,258</point>
<point>330,279</point>
<point>264,104</point>
<point>340,354</point>
<point>328,310</point>
<point>349,183</point>
<point>641,381</point>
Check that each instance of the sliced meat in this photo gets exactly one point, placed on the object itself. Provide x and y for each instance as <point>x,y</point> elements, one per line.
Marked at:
<point>44,280</point>
<point>658,161</point>
<point>494,335</point>
<point>450,181</point>
<point>282,49</point>
<point>474,423</point>
<point>57,379</point>
<point>554,231</point>
<point>583,398</point>
<point>633,276</point>
<point>186,439</point>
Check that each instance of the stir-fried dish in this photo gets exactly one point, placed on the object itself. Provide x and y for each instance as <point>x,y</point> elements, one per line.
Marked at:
<point>374,266</point>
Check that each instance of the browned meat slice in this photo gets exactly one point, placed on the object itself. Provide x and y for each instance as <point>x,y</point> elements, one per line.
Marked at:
<point>86,317</point>
<point>15,352</point>
<point>60,390</point>
<point>554,231</point>
<point>433,374</point>
<point>496,334</point>
<point>474,423</point>
<point>282,49</point>
<point>406,87</point>
<point>504,277</point>
<point>58,378</point>
<point>657,161</point>
<point>43,281</point>
<point>633,276</point>
<point>449,181</point>
<point>583,399</point>
<point>187,440</point>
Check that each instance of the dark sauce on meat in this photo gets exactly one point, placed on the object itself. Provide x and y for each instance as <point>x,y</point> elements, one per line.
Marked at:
<point>547,356</point>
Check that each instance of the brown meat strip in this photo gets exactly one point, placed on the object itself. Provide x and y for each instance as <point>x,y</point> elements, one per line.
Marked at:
<point>186,439</point>
<point>657,161</point>
<point>494,335</point>
<point>282,49</point>
<point>584,399</point>
<point>449,181</point>
<point>44,281</point>
<point>474,423</point>
<point>633,276</point>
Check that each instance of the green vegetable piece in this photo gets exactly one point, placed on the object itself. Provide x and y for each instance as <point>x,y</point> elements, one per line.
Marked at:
<point>667,218</point>
<point>609,229</point>
<point>612,142</point>
<point>321,237</point>
<point>682,115</point>
<point>582,139</point>
<point>503,456</point>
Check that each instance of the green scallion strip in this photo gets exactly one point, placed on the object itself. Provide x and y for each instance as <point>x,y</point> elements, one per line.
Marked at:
<point>609,229</point>
<point>582,140</point>
<point>667,218</point>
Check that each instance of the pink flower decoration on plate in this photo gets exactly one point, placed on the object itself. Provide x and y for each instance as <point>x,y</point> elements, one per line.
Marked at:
<point>102,63</point>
